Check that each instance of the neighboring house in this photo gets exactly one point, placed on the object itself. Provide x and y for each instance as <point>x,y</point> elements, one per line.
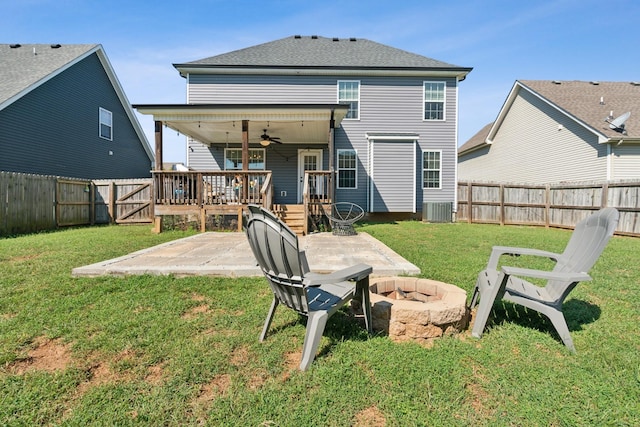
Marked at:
<point>558,131</point>
<point>63,112</point>
<point>382,119</point>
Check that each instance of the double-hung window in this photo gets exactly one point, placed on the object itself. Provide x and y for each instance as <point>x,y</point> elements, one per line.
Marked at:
<point>233,159</point>
<point>349,93</point>
<point>106,124</point>
<point>434,100</point>
<point>347,168</point>
<point>432,169</point>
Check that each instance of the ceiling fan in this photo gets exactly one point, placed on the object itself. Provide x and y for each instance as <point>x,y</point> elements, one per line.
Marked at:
<point>266,140</point>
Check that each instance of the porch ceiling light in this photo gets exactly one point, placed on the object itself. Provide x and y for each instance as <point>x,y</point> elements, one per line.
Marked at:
<point>265,142</point>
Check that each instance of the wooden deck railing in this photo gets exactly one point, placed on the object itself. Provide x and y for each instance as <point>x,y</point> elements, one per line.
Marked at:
<point>206,188</point>
<point>317,192</point>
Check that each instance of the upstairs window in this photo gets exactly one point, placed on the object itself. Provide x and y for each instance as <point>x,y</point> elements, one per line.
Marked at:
<point>106,124</point>
<point>431,169</point>
<point>233,159</point>
<point>347,168</point>
<point>349,93</point>
<point>434,100</point>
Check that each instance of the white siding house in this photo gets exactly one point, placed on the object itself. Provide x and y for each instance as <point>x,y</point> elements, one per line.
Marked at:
<point>555,131</point>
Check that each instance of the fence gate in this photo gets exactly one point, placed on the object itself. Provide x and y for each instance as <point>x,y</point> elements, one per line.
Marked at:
<point>135,205</point>
<point>123,201</point>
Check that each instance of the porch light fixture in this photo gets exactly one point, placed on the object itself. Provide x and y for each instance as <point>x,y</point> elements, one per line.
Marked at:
<point>265,142</point>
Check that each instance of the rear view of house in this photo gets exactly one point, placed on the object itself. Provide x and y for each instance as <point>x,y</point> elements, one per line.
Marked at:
<point>368,123</point>
<point>63,112</point>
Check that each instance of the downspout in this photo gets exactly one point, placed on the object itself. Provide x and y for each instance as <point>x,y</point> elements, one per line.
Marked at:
<point>454,208</point>
<point>609,161</point>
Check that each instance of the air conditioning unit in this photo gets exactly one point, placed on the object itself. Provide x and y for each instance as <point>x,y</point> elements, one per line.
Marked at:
<point>437,211</point>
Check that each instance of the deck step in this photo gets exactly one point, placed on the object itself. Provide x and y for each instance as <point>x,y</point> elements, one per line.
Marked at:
<point>292,215</point>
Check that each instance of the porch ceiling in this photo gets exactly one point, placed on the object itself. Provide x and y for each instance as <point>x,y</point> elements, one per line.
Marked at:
<point>219,124</point>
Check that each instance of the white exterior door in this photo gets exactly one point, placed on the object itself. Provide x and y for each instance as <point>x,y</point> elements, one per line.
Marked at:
<point>309,160</point>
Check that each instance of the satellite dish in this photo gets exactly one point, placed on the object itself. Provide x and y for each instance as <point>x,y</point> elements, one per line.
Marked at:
<point>617,124</point>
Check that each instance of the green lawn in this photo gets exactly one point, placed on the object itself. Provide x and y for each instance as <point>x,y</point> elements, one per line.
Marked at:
<point>184,351</point>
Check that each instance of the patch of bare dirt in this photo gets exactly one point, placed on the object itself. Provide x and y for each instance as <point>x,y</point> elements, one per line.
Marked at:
<point>258,379</point>
<point>24,258</point>
<point>370,417</point>
<point>291,364</point>
<point>239,356</point>
<point>477,392</point>
<point>195,311</point>
<point>47,355</point>
<point>217,387</point>
<point>198,297</point>
<point>155,374</point>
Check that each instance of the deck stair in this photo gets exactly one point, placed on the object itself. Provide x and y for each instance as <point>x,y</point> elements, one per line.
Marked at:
<point>292,215</point>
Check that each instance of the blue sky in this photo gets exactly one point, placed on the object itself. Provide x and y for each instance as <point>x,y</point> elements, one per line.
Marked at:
<point>503,40</point>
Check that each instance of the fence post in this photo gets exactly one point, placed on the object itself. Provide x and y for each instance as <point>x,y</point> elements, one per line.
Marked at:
<point>547,205</point>
<point>605,195</point>
<point>470,203</point>
<point>112,202</point>
<point>501,204</point>
<point>92,201</point>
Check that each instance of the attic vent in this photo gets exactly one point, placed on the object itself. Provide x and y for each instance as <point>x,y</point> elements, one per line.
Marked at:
<point>556,82</point>
<point>56,46</point>
<point>635,83</point>
<point>595,83</point>
<point>14,46</point>
<point>352,39</point>
<point>314,37</point>
<point>335,39</point>
<point>297,36</point>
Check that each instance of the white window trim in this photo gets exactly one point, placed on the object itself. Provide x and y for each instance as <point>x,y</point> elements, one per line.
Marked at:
<point>439,187</point>
<point>339,169</point>
<point>100,123</point>
<point>358,100</point>
<point>444,101</point>
<point>264,157</point>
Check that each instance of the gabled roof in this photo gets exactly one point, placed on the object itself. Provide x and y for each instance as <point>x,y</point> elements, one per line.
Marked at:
<point>477,140</point>
<point>590,104</point>
<point>322,53</point>
<point>593,102</point>
<point>25,67</point>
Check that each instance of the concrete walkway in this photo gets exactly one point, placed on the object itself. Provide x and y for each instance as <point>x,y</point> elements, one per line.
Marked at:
<point>229,254</point>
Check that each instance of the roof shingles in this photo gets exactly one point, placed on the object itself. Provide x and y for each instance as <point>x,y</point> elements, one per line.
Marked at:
<point>593,102</point>
<point>22,66</point>
<point>316,51</point>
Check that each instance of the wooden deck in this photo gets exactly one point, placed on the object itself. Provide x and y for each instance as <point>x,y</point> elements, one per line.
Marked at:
<point>206,193</point>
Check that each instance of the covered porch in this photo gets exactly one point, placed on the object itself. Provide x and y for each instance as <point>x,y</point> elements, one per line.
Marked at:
<point>223,184</point>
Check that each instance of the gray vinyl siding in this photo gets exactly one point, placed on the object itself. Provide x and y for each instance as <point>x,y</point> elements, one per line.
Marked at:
<point>392,188</point>
<point>626,161</point>
<point>53,130</point>
<point>387,104</point>
<point>530,147</point>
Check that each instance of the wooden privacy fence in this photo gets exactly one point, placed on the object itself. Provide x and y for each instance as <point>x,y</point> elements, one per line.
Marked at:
<point>557,205</point>
<point>30,203</point>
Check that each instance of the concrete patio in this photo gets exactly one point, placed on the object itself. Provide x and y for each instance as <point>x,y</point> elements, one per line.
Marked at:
<point>229,255</point>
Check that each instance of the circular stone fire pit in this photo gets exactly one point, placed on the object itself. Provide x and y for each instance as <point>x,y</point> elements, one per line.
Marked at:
<point>408,308</point>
